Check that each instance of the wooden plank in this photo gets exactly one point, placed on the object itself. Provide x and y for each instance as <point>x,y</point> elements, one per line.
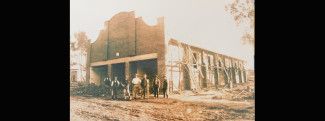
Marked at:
<point>171,66</point>
<point>126,59</point>
<point>100,63</point>
<point>144,57</point>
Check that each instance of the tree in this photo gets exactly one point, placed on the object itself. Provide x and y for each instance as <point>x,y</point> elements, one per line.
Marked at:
<point>243,12</point>
<point>82,42</point>
<point>82,47</point>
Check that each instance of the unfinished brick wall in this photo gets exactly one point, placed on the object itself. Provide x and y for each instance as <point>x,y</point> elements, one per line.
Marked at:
<point>129,36</point>
<point>121,38</point>
<point>151,39</point>
<point>99,47</point>
<point>218,70</point>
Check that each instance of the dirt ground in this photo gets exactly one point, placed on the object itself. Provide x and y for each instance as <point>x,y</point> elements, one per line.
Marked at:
<point>237,104</point>
<point>102,109</point>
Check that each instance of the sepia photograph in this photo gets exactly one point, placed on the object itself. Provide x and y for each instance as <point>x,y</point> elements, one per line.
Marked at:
<point>162,60</point>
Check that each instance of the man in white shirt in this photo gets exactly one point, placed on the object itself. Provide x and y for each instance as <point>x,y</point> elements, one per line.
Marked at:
<point>136,86</point>
<point>136,80</point>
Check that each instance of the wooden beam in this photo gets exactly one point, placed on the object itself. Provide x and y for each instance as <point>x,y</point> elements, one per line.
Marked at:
<point>144,57</point>
<point>100,63</point>
<point>125,59</point>
<point>170,66</point>
<point>174,70</point>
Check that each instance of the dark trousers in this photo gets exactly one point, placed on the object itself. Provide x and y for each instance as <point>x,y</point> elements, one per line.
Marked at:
<point>109,93</point>
<point>144,90</point>
<point>155,92</point>
<point>165,93</point>
<point>114,93</point>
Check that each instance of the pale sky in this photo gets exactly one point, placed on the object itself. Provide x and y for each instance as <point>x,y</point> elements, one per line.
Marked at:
<point>202,23</point>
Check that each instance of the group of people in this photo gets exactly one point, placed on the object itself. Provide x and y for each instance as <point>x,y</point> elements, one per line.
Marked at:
<point>137,86</point>
<point>112,86</point>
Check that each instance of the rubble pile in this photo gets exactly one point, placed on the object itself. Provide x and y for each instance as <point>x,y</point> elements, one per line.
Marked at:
<point>89,90</point>
<point>244,91</point>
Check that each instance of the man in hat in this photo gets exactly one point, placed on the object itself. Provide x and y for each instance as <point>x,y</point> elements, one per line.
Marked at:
<point>107,83</point>
<point>144,84</point>
<point>115,84</point>
<point>127,87</point>
<point>156,87</point>
<point>148,86</point>
<point>164,88</point>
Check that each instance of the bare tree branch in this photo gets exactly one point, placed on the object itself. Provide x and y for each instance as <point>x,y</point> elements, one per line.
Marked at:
<point>243,13</point>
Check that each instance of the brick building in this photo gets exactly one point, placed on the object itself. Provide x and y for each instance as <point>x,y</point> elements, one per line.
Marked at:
<point>127,45</point>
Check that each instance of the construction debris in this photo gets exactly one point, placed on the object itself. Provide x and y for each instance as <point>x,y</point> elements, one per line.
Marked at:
<point>89,90</point>
<point>241,92</point>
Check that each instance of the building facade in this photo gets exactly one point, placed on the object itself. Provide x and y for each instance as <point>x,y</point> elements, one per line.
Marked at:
<point>128,46</point>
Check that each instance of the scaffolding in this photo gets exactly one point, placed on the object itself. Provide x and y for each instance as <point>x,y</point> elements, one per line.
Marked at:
<point>197,78</point>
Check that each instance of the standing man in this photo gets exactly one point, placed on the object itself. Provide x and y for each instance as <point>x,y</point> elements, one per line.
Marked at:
<point>156,87</point>
<point>148,85</point>
<point>136,86</point>
<point>165,85</point>
<point>115,85</point>
<point>127,88</point>
<point>144,86</point>
<point>107,83</point>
